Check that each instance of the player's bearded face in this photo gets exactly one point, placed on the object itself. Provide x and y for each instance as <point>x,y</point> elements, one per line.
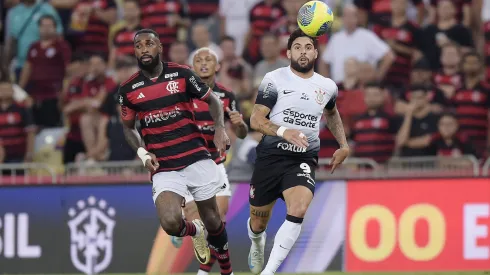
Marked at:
<point>148,62</point>
<point>302,64</point>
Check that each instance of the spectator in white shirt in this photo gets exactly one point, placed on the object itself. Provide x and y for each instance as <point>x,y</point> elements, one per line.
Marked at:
<point>358,43</point>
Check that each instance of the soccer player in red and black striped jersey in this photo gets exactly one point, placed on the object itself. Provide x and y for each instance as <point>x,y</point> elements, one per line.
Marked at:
<point>472,103</point>
<point>205,64</point>
<point>122,40</point>
<point>161,96</point>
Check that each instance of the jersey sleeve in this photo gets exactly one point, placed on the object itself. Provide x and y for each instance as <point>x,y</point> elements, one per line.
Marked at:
<point>126,112</point>
<point>333,99</point>
<point>267,94</point>
<point>195,87</point>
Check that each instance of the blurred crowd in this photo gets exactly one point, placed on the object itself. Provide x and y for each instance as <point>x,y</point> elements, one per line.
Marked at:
<point>411,73</point>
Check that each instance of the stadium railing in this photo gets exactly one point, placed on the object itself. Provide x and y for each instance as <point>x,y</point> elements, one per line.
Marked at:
<point>353,168</point>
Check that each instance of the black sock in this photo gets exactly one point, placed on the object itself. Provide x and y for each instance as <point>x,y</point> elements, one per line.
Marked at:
<point>218,241</point>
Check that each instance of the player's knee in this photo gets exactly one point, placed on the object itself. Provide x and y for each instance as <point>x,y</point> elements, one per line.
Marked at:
<point>258,224</point>
<point>171,224</point>
<point>297,209</point>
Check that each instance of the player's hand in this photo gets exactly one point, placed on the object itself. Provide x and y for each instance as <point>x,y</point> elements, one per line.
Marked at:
<point>221,139</point>
<point>295,137</point>
<point>235,117</point>
<point>152,164</point>
<point>338,157</point>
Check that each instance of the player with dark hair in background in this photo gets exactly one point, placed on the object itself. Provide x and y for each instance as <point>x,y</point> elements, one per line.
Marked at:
<point>206,65</point>
<point>288,110</point>
<point>161,95</point>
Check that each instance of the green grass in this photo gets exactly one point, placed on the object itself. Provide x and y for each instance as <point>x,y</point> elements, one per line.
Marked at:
<point>326,273</point>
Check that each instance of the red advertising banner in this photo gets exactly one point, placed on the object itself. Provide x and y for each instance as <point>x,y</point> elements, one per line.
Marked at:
<point>418,225</point>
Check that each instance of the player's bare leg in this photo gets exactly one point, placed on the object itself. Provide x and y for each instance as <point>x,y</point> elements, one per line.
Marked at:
<point>217,237</point>
<point>298,200</point>
<point>191,213</point>
<point>169,209</point>
<point>256,225</point>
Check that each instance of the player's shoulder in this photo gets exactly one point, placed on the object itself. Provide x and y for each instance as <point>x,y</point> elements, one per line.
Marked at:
<point>177,66</point>
<point>325,82</point>
<point>277,74</point>
<point>127,85</point>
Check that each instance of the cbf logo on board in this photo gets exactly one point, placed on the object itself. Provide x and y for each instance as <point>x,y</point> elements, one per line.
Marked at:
<point>91,232</point>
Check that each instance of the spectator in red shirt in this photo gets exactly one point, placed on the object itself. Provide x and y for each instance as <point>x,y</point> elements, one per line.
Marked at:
<point>449,79</point>
<point>17,130</point>
<point>235,72</point>
<point>166,18</point>
<point>472,103</point>
<point>404,39</point>
<point>262,17</point>
<point>91,20</point>
<point>122,42</point>
<point>448,142</point>
<point>377,11</point>
<point>374,131</point>
<point>463,11</point>
<point>84,94</point>
<point>43,73</point>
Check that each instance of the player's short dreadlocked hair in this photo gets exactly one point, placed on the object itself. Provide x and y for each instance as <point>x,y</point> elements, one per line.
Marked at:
<point>299,33</point>
<point>148,31</point>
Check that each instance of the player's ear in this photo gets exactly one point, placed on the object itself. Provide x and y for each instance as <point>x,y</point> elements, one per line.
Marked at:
<point>160,48</point>
<point>218,66</point>
<point>316,53</point>
<point>288,53</point>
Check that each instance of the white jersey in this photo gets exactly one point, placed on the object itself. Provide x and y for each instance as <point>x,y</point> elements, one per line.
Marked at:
<point>295,103</point>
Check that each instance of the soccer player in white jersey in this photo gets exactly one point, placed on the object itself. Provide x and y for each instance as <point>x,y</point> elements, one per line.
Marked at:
<point>288,110</point>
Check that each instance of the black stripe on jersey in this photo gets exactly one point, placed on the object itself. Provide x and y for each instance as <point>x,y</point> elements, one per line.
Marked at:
<point>181,163</point>
<point>172,135</point>
<point>179,148</point>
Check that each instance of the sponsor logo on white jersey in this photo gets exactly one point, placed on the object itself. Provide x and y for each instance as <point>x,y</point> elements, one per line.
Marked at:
<point>300,119</point>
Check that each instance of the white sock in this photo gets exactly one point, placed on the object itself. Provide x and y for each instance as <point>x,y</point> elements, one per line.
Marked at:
<point>253,236</point>
<point>285,238</point>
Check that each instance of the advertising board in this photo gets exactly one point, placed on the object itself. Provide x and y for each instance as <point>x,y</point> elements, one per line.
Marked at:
<point>418,225</point>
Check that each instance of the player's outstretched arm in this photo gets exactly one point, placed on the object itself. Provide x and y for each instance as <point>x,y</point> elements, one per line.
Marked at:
<point>221,139</point>
<point>334,124</point>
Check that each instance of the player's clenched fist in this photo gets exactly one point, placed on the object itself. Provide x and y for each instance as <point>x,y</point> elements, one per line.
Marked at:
<point>295,137</point>
<point>235,117</point>
<point>221,139</point>
<point>149,160</point>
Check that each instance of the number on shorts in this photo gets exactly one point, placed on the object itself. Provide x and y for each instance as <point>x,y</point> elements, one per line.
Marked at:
<point>305,167</point>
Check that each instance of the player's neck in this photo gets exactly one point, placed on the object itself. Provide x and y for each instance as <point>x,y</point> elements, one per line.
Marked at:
<point>210,81</point>
<point>302,75</point>
<point>156,72</point>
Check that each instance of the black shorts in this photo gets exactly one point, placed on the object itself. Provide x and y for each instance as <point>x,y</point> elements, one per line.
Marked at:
<point>274,174</point>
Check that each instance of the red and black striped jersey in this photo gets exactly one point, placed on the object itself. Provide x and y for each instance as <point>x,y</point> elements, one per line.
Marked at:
<point>206,123</point>
<point>95,37</point>
<point>164,107</point>
<point>160,16</point>
<point>442,79</point>
<point>202,9</point>
<point>374,136</point>
<point>15,121</point>
<point>123,41</point>
<point>472,107</point>
<point>407,35</point>
<point>379,10</point>
<point>458,146</point>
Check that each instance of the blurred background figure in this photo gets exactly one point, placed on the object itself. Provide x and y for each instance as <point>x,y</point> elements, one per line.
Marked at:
<point>419,123</point>
<point>272,57</point>
<point>235,72</point>
<point>44,71</point>
<point>178,53</point>
<point>355,42</point>
<point>448,79</point>
<point>201,38</point>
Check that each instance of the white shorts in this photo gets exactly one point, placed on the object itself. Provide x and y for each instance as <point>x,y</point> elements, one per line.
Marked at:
<point>225,190</point>
<point>201,179</point>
